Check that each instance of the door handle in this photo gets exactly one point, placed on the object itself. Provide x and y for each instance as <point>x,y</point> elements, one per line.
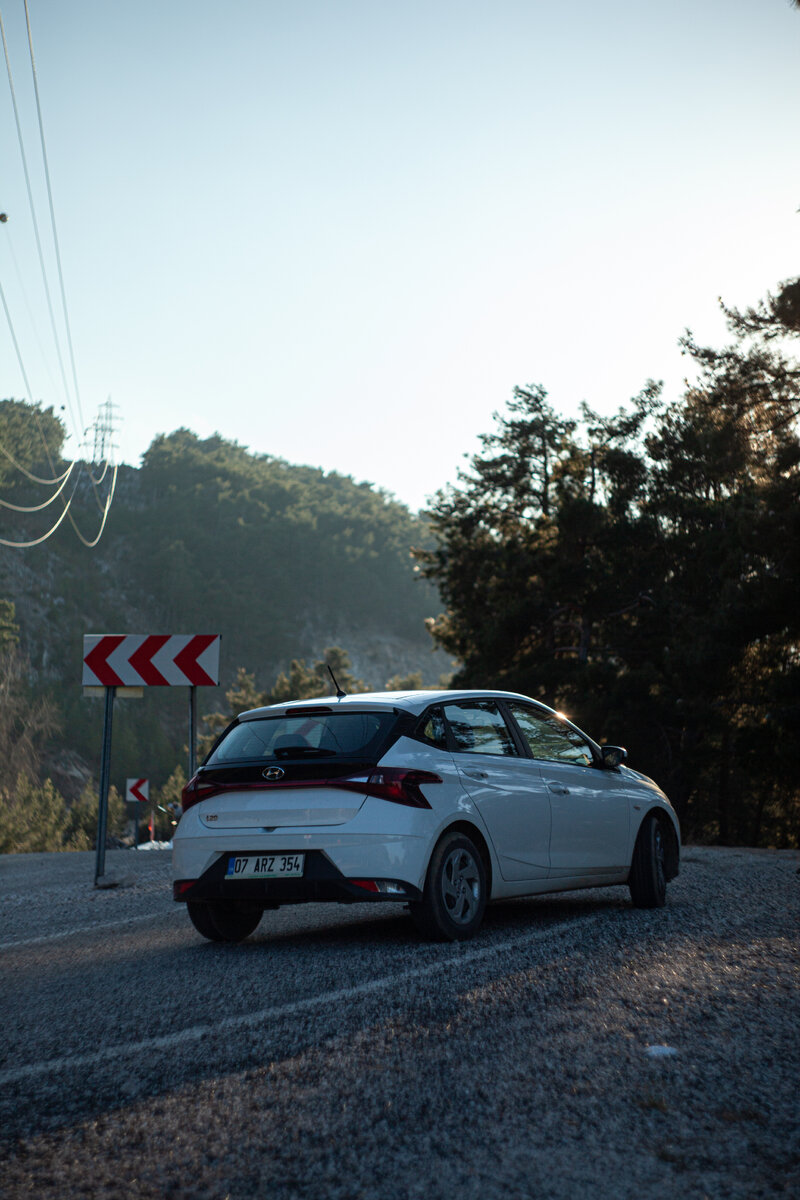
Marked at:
<point>557,788</point>
<point>477,774</point>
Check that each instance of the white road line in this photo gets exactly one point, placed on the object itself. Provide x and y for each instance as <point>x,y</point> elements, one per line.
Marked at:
<point>52,937</point>
<point>195,1033</point>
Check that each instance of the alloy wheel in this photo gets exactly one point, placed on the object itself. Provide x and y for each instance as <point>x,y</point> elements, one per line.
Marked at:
<point>461,886</point>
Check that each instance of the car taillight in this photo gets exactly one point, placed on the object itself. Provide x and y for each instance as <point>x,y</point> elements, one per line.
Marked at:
<point>195,791</point>
<point>381,887</point>
<point>397,784</point>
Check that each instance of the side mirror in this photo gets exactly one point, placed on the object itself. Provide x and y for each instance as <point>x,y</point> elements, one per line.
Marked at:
<point>613,756</point>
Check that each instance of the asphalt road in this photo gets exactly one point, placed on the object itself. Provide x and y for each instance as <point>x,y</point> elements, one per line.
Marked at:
<point>334,1054</point>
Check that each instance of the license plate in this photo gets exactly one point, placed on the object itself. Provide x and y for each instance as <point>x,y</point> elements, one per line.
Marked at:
<point>265,866</point>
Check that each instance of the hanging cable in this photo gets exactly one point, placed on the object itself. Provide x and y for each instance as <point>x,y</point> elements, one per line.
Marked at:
<point>38,541</point>
<point>99,478</point>
<point>77,427</point>
<point>34,478</point>
<point>106,511</point>
<point>25,379</point>
<point>46,503</point>
<point>53,216</point>
<point>23,290</point>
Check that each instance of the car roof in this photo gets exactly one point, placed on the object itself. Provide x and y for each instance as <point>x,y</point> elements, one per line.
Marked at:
<point>409,701</point>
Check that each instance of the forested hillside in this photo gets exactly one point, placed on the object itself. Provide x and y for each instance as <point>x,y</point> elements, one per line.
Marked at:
<point>282,560</point>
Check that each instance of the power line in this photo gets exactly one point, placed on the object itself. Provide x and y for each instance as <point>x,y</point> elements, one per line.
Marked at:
<point>26,472</point>
<point>46,503</point>
<point>103,427</point>
<point>106,511</point>
<point>98,479</point>
<point>29,309</point>
<point>41,434</point>
<point>25,378</point>
<point>77,427</point>
<point>51,531</point>
<point>53,216</point>
<point>67,506</point>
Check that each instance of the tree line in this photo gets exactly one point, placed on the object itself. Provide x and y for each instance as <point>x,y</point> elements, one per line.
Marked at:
<point>640,572</point>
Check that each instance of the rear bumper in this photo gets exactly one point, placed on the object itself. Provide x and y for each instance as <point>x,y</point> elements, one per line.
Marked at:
<point>321,881</point>
<point>384,841</point>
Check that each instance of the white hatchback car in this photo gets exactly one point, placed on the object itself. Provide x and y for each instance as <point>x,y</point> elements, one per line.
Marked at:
<point>438,800</point>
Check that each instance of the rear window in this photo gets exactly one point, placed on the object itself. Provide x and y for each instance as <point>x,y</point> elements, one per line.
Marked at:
<point>323,735</point>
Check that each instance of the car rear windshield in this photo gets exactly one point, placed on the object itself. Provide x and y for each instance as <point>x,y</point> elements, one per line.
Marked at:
<point>360,735</point>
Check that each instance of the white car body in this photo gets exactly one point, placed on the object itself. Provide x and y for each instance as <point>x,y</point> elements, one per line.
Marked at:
<point>540,825</point>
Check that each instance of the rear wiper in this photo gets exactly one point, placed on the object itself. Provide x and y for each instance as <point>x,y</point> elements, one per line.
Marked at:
<point>301,752</point>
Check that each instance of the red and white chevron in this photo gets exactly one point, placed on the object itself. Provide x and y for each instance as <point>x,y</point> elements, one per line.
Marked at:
<point>137,791</point>
<point>151,659</point>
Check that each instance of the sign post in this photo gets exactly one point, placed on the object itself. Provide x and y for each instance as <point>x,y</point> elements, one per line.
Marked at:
<point>123,664</point>
<point>105,774</point>
<point>192,730</point>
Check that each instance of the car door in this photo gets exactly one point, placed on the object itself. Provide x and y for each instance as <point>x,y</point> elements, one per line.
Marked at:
<point>506,787</point>
<point>590,810</point>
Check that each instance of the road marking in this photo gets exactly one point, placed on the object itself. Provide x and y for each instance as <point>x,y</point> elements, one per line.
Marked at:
<point>195,1033</point>
<point>52,937</point>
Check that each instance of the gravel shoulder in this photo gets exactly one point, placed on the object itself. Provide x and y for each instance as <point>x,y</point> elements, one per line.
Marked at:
<point>336,1055</point>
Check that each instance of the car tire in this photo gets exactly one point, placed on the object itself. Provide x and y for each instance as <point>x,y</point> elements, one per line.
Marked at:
<point>224,922</point>
<point>454,898</point>
<point>200,917</point>
<point>648,877</point>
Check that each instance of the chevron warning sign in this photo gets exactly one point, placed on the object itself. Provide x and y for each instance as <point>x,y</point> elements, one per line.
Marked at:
<point>137,791</point>
<point>151,660</point>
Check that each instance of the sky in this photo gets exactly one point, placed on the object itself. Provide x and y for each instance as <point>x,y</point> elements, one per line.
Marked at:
<point>340,232</point>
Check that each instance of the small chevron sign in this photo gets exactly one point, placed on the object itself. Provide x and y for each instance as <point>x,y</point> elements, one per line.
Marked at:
<point>137,791</point>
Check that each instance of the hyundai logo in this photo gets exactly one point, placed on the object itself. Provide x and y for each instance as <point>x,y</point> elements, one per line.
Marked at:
<point>273,772</point>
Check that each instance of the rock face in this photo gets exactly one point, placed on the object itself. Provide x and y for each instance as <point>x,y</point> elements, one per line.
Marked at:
<point>69,771</point>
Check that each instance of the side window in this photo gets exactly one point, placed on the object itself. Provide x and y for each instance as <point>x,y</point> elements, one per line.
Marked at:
<point>478,727</point>
<point>432,729</point>
<point>550,738</point>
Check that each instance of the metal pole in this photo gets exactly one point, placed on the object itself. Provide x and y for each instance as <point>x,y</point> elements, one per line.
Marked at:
<point>192,730</point>
<point>105,774</point>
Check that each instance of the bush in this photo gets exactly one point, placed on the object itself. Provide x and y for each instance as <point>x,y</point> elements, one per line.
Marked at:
<point>36,818</point>
<point>81,828</point>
